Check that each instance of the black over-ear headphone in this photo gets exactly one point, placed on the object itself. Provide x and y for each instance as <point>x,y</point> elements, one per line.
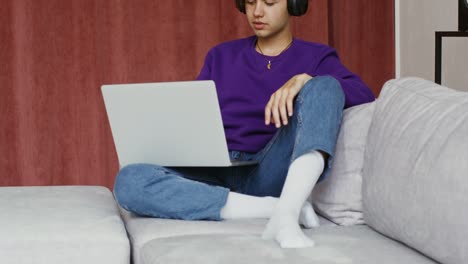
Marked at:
<point>295,7</point>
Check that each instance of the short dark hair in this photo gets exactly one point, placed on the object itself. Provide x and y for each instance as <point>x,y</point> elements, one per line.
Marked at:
<point>295,7</point>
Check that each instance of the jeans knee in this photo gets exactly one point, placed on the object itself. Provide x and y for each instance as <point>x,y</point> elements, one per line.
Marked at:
<point>323,88</point>
<point>129,183</point>
<point>123,185</point>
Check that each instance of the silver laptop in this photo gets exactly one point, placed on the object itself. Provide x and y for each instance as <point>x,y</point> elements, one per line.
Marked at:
<point>172,124</point>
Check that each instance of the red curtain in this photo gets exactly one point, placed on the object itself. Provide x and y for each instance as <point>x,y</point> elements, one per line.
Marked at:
<point>56,54</point>
<point>363,33</point>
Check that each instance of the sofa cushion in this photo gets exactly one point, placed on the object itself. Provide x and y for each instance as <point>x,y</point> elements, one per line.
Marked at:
<point>144,229</point>
<point>66,224</point>
<point>415,186</point>
<point>339,196</point>
<point>334,244</point>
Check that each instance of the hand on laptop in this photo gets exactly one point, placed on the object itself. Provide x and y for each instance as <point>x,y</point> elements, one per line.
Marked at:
<point>280,105</point>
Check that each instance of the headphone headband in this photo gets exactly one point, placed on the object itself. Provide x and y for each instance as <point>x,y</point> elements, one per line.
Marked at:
<point>295,7</point>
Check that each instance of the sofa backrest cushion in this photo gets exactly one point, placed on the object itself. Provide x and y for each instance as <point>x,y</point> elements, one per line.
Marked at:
<point>338,197</point>
<point>415,175</point>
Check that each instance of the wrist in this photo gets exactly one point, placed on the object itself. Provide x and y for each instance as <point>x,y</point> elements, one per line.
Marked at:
<point>306,77</point>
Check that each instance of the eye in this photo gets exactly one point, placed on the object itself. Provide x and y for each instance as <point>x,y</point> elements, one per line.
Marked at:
<point>250,2</point>
<point>270,3</point>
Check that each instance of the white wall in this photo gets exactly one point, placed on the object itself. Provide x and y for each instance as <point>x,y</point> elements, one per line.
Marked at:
<point>416,23</point>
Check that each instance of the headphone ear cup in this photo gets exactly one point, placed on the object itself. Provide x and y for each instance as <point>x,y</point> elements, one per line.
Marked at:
<point>240,4</point>
<point>297,7</point>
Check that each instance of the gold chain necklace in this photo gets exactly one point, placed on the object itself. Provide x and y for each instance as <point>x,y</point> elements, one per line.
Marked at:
<point>269,61</point>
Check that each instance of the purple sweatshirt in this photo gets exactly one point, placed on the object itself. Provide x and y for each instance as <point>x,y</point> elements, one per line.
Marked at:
<point>244,84</point>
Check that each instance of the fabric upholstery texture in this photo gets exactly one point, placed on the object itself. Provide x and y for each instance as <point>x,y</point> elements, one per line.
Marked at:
<point>338,198</point>
<point>61,224</point>
<point>144,229</point>
<point>415,185</point>
<point>334,245</point>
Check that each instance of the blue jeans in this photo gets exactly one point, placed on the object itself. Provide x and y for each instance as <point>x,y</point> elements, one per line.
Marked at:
<point>196,193</point>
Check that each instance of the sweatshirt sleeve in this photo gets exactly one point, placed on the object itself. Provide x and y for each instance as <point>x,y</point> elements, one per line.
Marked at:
<point>355,90</point>
<point>205,73</point>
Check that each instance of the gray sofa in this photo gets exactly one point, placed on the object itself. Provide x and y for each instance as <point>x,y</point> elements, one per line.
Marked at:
<point>397,193</point>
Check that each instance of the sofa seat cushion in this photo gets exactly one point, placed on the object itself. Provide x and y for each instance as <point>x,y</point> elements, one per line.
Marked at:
<point>66,224</point>
<point>334,244</point>
<point>144,229</point>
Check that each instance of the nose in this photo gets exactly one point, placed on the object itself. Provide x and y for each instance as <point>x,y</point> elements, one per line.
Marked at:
<point>258,9</point>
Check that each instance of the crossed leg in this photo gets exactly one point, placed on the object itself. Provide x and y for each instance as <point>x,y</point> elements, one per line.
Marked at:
<point>292,163</point>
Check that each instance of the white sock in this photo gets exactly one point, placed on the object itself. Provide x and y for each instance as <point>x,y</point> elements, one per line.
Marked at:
<point>246,206</point>
<point>283,225</point>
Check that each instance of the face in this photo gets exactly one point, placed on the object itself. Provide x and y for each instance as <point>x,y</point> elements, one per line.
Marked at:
<point>268,18</point>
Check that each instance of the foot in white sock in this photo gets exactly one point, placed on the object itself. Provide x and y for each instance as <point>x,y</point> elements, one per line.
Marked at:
<point>246,206</point>
<point>291,236</point>
<point>283,225</point>
<point>287,232</point>
<point>240,206</point>
<point>308,218</point>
